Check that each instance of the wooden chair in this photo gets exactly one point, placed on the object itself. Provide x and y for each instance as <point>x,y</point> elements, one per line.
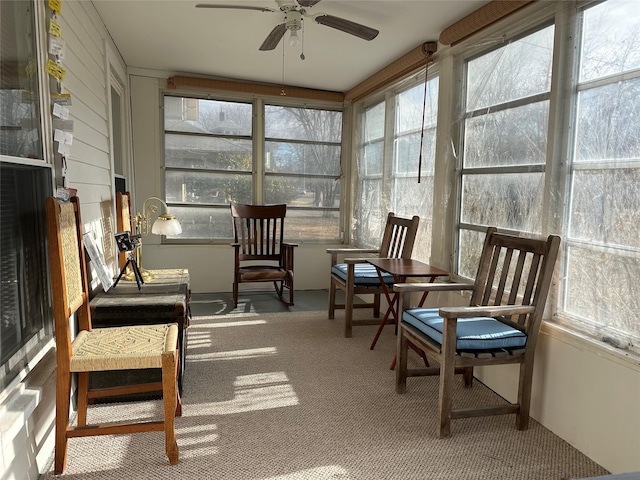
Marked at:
<point>356,277</point>
<point>499,327</point>
<point>100,349</point>
<point>261,255</point>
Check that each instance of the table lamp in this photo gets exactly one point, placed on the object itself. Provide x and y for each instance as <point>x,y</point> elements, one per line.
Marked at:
<point>165,224</point>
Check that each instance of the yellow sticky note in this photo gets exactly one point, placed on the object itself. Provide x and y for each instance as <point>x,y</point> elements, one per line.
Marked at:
<point>55,70</point>
<point>55,28</point>
<point>30,68</point>
<point>55,5</point>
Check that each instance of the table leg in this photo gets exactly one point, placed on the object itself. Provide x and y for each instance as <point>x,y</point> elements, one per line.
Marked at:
<point>391,311</point>
<point>419,351</point>
<point>384,321</point>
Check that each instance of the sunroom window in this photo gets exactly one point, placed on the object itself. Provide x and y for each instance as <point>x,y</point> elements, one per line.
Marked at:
<point>302,169</point>
<point>213,157</point>
<point>393,174</point>
<point>20,130</point>
<point>208,162</point>
<point>505,132</point>
<point>602,247</point>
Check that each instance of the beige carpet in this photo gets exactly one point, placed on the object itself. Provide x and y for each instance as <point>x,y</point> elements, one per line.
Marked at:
<point>283,396</point>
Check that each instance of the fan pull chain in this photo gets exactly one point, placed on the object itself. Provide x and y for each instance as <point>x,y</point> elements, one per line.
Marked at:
<point>424,107</point>
<point>302,57</point>
<point>282,92</point>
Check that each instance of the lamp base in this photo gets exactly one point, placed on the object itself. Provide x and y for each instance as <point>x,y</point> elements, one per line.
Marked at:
<point>131,276</point>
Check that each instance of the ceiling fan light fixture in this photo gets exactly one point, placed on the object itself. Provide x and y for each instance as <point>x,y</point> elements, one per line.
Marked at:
<point>294,40</point>
<point>293,20</point>
<point>294,11</point>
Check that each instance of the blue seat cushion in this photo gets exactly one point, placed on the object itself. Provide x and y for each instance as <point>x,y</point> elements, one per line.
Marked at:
<point>365,274</point>
<point>479,333</point>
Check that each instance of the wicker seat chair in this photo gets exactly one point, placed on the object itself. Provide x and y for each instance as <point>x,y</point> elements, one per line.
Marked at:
<point>100,349</point>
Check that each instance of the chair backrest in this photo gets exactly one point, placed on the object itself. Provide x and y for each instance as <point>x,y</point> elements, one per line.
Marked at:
<point>399,236</point>
<point>259,230</point>
<point>124,220</point>
<point>516,271</point>
<point>123,211</point>
<point>68,266</point>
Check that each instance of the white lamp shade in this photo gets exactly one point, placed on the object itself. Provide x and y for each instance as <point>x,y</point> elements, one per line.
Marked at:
<point>166,225</point>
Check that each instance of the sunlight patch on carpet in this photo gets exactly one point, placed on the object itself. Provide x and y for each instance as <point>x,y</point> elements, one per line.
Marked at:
<point>260,379</point>
<point>240,323</point>
<point>254,392</point>
<point>233,354</point>
<point>332,472</point>
<point>198,440</point>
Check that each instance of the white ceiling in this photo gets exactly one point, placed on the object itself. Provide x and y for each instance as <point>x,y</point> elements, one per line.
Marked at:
<point>174,36</point>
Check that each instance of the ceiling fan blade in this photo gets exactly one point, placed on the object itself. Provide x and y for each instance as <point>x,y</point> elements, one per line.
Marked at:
<point>347,26</point>
<point>307,3</point>
<point>236,7</point>
<point>274,37</point>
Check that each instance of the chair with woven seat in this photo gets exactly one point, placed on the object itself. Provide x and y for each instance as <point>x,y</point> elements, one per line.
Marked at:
<point>100,349</point>
<point>500,326</point>
<point>261,255</point>
<point>355,276</point>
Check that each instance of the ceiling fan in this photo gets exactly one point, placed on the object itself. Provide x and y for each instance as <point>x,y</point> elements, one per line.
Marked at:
<point>294,11</point>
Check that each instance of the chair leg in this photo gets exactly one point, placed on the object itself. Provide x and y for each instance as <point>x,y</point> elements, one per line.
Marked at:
<point>402,346</point>
<point>83,390</point>
<point>178,411</point>
<point>332,300</point>
<point>63,394</point>
<point>291,289</point>
<point>348,309</point>
<point>467,376</point>
<point>349,300</point>
<point>524,394</point>
<point>376,306</point>
<point>171,404</point>
<point>235,294</point>
<point>281,285</point>
<point>447,373</point>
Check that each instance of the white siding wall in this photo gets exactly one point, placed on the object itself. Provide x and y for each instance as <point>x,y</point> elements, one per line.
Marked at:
<point>89,165</point>
<point>27,411</point>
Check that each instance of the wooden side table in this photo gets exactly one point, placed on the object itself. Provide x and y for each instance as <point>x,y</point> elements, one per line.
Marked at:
<point>401,269</point>
<point>162,299</point>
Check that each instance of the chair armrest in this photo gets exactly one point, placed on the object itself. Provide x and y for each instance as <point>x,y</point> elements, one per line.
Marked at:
<point>486,311</point>
<point>286,253</point>
<point>346,251</point>
<point>235,245</point>
<point>352,250</point>
<point>354,260</point>
<point>432,287</point>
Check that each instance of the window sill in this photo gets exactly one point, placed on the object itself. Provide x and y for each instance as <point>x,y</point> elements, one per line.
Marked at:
<point>20,401</point>
<point>589,344</point>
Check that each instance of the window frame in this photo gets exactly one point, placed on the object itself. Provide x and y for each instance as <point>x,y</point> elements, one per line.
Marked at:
<point>258,171</point>
<point>564,92</point>
<point>35,353</point>
<point>389,176</point>
<point>461,171</point>
<point>328,177</point>
<point>603,334</point>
